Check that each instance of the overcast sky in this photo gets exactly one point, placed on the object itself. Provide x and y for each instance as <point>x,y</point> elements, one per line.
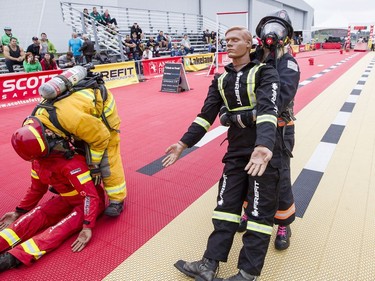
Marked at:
<point>341,13</point>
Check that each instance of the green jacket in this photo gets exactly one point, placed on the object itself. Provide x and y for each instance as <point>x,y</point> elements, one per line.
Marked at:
<point>32,67</point>
<point>51,48</point>
<point>5,39</point>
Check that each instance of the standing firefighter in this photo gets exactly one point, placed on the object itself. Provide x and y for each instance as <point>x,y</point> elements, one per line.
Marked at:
<point>87,113</point>
<point>275,32</point>
<point>249,90</point>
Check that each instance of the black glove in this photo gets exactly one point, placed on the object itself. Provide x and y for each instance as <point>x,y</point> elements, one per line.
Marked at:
<point>96,174</point>
<point>224,116</point>
<point>243,119</point>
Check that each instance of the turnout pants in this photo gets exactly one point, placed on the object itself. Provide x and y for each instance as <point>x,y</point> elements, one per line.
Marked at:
<point>43,229</point>
<point>235,186</point>
<point>113,171</point>
<point>285,214</point>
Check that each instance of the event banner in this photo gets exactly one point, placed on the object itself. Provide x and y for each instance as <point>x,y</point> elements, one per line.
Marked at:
<point>155,66</point>
<point>118,74</point>
<point>22,88</point>
<point>198,62</point>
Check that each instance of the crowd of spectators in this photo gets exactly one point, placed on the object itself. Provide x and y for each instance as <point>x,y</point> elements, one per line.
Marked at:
<point>41,54</point>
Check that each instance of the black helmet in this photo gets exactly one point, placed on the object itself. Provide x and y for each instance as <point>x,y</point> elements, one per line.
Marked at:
<point>280,17</point>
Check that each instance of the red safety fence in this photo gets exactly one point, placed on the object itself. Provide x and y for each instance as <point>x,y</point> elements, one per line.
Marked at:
<point>155,66</point>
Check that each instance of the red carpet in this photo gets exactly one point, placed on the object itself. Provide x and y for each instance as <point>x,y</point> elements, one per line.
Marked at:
<point>151,122</point>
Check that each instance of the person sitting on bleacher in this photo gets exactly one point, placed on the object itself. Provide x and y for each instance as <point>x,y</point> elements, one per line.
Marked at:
<point>14,54</point>
<point>30,64</point>
<point>176,51</point>
<point>67,61</point>
<point>34,48</point>
<point>206,36</point>
<point>129,47</point>
<point>147,54</point>
<point>135,28</point>
<point>48,62</point>
<point>163,43</point>
<point>108,20</point>
<point>5,39</point>
<point>183,51</point>
<point>136,51</point>
<point>95,14</point>
<point>154,46</point>
<point>169,40</point>
<point>187,45</point>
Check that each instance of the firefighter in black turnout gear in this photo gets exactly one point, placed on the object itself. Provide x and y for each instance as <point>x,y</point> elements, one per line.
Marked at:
<point>249,90</point>
<point>276,31</point>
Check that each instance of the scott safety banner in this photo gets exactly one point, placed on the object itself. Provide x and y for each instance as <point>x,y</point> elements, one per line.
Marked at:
<point>118,74</point>
<point>198,62</point>
<point>22,88</point>
<point>155,66</point>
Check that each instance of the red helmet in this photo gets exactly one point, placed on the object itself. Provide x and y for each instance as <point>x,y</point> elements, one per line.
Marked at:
<point>30,141</point>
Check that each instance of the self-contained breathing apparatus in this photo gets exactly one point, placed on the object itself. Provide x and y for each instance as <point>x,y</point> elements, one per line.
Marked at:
<point>275,30</point>
<point>62,86</point>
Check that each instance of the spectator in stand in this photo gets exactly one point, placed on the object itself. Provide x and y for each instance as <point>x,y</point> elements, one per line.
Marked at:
<point>67,60</point>
<point>34,48</point>
<point>163,43</point>
<point>176,51</point>
<point>13,54</point>
<point>213,46</point>
<point>206,36</point>
<point>128,47</point>
<point>136,51</point>
<point>75,44</point>
<point>46,45</point>
<point>5,39</point>
<point>108,20</point>
<point>95,14</point>
<point>135,28</point>
<point>48,62</point>
<point>182,51</point>
<point>169,41</point>
<point>88,48</point>
<point>86,17</point>
<point>30,64</point>
<point>154,46</point>
<point>147,54</point>
<point>187,45</point>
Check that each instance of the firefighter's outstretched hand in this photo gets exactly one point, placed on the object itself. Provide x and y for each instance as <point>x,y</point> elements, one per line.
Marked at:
<point>83,238</point>
<point>174,152</point>
<point>8,219</point>
<point>258,161</point>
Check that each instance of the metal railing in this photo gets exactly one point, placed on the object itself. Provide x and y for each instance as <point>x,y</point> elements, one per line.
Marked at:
<point>150,21</point>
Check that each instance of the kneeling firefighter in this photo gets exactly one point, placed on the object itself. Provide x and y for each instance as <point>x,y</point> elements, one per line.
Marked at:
<point>78,107</point>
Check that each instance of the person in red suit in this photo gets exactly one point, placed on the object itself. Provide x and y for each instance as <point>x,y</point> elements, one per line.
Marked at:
<point>33,230</point>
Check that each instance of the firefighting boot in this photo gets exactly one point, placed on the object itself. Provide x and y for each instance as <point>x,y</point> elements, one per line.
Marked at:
<point>7,261</point>
<point>114,209</point>
<point>202,270</point>
<point>243,223</point>
<point>282,240</point>
<point>240,276</point>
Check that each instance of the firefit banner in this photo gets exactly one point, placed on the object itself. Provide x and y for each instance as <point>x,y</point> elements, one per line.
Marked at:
<point>118,74</point>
